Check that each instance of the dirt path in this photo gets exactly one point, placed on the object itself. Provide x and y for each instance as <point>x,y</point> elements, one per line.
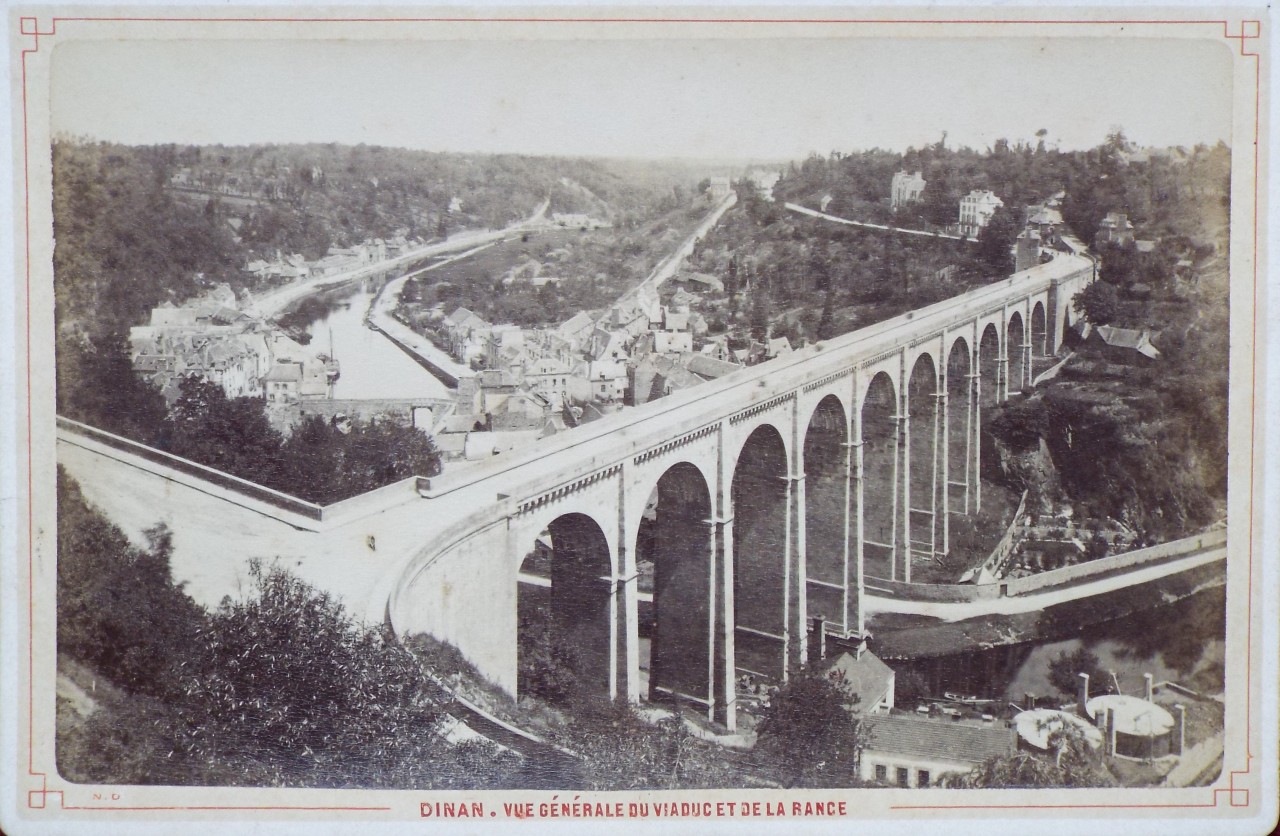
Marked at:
<point>75,696</point>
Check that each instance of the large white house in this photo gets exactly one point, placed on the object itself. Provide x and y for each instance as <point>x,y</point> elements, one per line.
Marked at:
<point>976,209</point>
<point>905,188</point>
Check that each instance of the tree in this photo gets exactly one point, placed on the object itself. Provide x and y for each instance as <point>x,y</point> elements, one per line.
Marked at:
<point>996,241</point>
<point>621,751</point>
<point>547,668</point>
<point>1071,761</point>
<point>1099,303</point>
<point>1116,140</point>
<point>118,610</point>
<point>285,688</point>
<point>759,314</point>
<point>1065,670</point>
<point>1097,547</point>
<point>1120,263</point>
<point>98,386</point>
<point>230,434</point>
<point>826,324</point>
<point>808,734</point>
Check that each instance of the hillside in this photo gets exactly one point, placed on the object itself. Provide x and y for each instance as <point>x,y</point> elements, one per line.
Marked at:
<point>138,225</point>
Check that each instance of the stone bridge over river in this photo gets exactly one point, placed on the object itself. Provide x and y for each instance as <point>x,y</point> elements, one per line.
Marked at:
<point>756,500</point>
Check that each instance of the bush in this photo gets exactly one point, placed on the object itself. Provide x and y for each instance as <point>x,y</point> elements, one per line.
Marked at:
<point>808,735</point>
<point>118,610</point>
<point>319,462</point>
<point>285,687</point>
<point>1065,670</point>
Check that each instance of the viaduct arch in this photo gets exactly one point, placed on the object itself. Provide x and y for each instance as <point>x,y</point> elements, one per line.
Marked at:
<point>712,524</point>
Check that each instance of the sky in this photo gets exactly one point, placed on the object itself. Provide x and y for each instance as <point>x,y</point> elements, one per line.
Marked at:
<point>741,99</point>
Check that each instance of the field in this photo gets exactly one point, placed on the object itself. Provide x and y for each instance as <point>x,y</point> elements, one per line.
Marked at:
<point>543,278</point>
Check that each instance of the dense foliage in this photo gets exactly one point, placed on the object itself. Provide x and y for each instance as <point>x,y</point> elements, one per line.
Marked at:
<point>802,278</point>
<point>591,271</point>
<point>1070,762</point>
<point>135,226</point>
<point>118,609</point>
<point>284,684</point>
<point>320,461</point>
<point>622,751</point>
<point>280,688</point>
<point>1158,194</point>
<point>124,243</point>
<point>96,384</point>
<point>1065,670</point>
<point>809,735</point>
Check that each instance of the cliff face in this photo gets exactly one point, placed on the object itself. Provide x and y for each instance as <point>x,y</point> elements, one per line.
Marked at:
<point>1110,449</point>
<point>1026,468</point>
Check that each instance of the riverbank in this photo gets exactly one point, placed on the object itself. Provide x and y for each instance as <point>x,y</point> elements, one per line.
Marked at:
<point>381,319</point>
<point>270,304</point>
<point>905,636</point>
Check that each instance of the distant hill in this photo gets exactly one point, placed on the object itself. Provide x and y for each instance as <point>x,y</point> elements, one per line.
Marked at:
<point>137,225</point>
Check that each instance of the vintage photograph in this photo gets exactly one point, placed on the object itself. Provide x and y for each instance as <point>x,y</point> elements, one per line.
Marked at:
<point>607,409</point>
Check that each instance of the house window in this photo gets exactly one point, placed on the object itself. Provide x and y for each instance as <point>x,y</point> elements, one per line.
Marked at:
<point>882,773</point>
<point>922,778</point>
<point>904,777</point>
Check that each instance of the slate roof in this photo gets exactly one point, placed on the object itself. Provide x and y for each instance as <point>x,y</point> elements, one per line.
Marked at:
<point>938,739</point>
<point>1045,215</point>
<point>708,367</point>
<point>285,372</point>
<point>458,317</point>
<point>1128,338</point>
<point>575,325</point>
<point>866,676</point>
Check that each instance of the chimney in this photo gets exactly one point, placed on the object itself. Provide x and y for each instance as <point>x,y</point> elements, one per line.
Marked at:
<point>1029,700</point>
<point>1110,732</point>
<point>1179,740</point>
<point>818,642</point>
<point>1148,681</point>
<point>1083,698</point>
<point>1027,253</point>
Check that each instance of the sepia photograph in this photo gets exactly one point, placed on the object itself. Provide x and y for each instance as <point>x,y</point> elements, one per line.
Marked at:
<point>696,420</point>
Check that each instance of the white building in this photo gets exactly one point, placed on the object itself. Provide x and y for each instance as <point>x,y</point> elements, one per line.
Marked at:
<point>905,188</point>
<point>976,209</point>
<point>905,751</point>
<point>607,379</point>
<point>764,181</point>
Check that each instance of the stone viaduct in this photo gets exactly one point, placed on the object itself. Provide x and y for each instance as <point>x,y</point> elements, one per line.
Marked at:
<point>757,499</point>
<point>747,507</point>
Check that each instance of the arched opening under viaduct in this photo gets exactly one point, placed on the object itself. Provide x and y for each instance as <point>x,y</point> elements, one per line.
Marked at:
<point>1015,340</point>
<point>959,456</point>
<point>827,512</point>
<point>989,366</point>
<point>1069,336</point>
<point>675,542</point>
<point>760,531</point>
<point>564,614</point>
<point>923,425</point>
<point>878,499</point>
<point>1039,333</point>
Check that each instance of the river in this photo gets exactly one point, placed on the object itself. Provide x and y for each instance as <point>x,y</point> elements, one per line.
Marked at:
<point>1182,642</point>
<point>372,367</point>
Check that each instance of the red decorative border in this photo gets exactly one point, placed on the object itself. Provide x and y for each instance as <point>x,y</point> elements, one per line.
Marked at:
<point>1249,30</point>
